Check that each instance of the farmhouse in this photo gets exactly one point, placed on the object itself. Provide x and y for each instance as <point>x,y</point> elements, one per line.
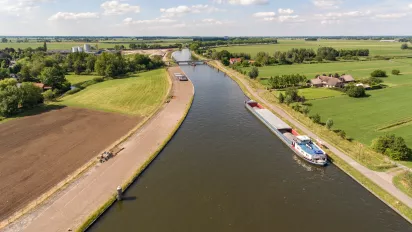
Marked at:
<point>42,86</point>
<point>235,60</point>
<point>331,81</point>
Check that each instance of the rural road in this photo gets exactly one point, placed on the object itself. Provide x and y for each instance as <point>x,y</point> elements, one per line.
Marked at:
<point>71,206</point>
<point>384,180</point>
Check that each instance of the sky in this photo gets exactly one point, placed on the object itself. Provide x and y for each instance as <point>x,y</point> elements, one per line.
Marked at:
<point>205,17</point>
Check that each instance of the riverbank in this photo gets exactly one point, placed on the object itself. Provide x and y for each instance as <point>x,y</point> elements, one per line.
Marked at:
<point>377,183</point>
<point>83,199</point>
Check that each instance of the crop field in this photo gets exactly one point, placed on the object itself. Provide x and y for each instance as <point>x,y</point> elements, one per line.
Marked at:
<point>139,94</point>
<point>375,47</point>
<point>39,151</point>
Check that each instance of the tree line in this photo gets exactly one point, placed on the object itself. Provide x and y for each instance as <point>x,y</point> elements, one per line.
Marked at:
<point>286,81</point>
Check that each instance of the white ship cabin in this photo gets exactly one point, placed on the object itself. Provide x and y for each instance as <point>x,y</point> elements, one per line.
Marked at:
<point>303,139</point>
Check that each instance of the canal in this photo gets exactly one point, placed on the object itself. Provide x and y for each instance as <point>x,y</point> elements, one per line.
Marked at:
<point>225,171</point>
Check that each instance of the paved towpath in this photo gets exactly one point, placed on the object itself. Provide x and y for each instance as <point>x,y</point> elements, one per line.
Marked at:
<point>384,180</point>
<point>71,206</point>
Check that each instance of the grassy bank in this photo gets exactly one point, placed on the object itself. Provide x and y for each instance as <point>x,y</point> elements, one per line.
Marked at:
<point>139,94</point>
<point>95,215</point>
<point>403,181</point>
<point>76,79</point>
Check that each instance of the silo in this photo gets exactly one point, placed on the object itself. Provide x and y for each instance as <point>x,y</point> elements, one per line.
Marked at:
<point>74,49</point>
<point>87,47</point>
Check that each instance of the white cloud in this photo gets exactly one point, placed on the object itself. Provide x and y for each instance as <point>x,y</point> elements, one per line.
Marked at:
<point>17,6</point>
<point>73,16</point>
<point>338,17</point>
<point>410,5</point>
<point>327,4</point>
<point>129,21</point>
<point>180,10</point>
<point>285,11</point>
<point>117,8</point>
<point>242,2</point>
<point>211,22</point>
<point>264,14</point>
<point>391,16</point>
<point>290,18</point>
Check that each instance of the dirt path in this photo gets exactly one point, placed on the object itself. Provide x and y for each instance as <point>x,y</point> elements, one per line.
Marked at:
<point>384,180</point>
<point>70,207</point>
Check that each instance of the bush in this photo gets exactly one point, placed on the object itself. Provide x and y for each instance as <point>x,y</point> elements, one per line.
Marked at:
<point>392,146</point>
<point>73,91</point>
<point>254,73</point>
<point>329,124</point>
<point>379,73</point>
<point>316,118</point>
<point>396,72</point>
<point>281,98</point>
<point>404,46</point>
<point>342,134</point>
<point>49,95</point>
<point>98,79</point>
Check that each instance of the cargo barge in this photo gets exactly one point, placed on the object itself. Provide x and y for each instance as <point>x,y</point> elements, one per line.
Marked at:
<point>302,145</point>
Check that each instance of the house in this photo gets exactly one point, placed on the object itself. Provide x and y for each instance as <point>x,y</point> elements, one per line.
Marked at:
<point>316,82</point>
<point>235,60</point>
<point>325,81</point>
<point>347,79</point>
<point>42,86</point>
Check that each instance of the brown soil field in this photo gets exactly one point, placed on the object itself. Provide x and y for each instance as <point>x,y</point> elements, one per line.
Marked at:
<point>37,152</point>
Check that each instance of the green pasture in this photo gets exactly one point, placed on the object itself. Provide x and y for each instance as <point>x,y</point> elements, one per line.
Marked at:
<point>139,94</point>
<point>375,47</point>
<point>362,118</point>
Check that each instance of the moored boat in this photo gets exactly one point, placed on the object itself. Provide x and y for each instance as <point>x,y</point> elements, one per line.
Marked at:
<point>302,145</point>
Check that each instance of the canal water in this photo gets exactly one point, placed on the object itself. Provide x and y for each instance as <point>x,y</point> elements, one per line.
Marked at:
<point>225,171</point>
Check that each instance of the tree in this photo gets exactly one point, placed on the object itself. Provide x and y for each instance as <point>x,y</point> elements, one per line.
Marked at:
<point>355,91</point>
<point>44,46</point>
<point>225,61</point>
<point>281,98</point>
<point>7,82</point>
<point>254,73</point>
<point>329,123</point>
<point>4,73</point>
<point>53,77</point>
<point>288,99</point>
<point>90,62</point>
<point>404,46</point>
<point>25,73</point>
<point>30,95</point>
<point>77,67</point>
<point>316,118</point>
<point>378,73</point>
<point>4,40</point>
<point>396,72</point>
<point>9,101</point>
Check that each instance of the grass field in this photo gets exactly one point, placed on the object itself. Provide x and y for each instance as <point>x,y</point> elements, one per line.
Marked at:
<point>75,79</point>
<point>358,70</point>
<point>362,119</point>
<point>375,47</point>
<point>140,94</point>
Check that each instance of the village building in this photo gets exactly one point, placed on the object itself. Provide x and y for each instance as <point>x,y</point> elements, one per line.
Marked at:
<point>42,86</point>
<point>235,60</point>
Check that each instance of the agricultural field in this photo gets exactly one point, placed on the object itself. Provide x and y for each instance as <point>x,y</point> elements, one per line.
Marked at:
<point>375,47</point>
<point>39,151</point>
<point>139,94</point>
<point>67,45</point>
<point>383,111</point>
